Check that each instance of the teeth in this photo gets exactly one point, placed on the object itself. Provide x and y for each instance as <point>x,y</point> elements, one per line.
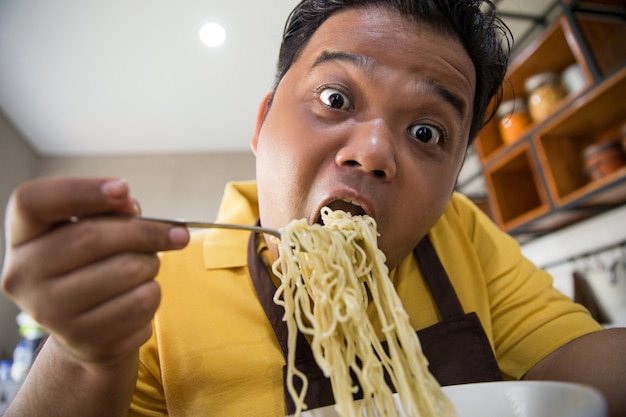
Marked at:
<point>356,203</point>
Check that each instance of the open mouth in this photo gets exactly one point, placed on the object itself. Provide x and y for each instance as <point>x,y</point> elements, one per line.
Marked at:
<point>344,204</point>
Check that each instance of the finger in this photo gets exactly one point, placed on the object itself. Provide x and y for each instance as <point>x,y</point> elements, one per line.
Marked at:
<point>72,246</point>
<point>115,327</point>
<point>38,205</point>
<point>93,239</point>
<point>71,295</point>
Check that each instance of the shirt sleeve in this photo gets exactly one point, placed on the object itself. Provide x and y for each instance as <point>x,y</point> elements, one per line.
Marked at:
<point>530,318</point>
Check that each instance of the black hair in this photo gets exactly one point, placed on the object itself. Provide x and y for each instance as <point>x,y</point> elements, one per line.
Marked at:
<point>474,23</point>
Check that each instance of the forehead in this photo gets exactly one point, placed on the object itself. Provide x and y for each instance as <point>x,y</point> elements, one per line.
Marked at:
<point>385,37</point>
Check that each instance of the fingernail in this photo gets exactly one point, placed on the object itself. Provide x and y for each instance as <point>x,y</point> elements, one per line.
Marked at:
<point>115,188</point>
<point>179,236</point>
<point>136,208</point>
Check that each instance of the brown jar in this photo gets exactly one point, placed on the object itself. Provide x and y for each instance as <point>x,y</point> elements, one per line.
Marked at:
<point>544,93</point>
<point>601,159</point>
<point>513,120</point>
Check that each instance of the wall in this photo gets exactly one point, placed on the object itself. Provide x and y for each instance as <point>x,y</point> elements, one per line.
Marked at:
<point>17,164</point>
<point>568,250</point>
<point>188,186</point>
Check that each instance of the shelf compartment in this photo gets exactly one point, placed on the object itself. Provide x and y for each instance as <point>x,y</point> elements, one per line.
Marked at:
<point>593,117</point>
<point>602,196</point>
<point>515,190</point>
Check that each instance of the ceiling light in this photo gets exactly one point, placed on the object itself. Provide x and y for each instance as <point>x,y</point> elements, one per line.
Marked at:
<point>212,34</point>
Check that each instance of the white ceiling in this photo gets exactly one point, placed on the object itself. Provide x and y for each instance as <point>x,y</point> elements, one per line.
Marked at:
<point>80,77</point>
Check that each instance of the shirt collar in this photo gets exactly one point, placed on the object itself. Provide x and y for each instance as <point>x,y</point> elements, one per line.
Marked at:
<point>223,248</point>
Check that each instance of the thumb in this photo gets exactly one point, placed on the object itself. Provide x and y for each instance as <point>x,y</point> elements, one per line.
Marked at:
<point>41,204</point>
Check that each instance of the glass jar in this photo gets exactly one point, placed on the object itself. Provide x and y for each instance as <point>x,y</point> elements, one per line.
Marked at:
<point>601,159</point>
<point>573,79</point>
<point>544,94</point>
<point>513,120</point>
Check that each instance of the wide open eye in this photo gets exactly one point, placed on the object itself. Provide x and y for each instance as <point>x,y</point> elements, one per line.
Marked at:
<point>335,99</point>
<point>427,133</point>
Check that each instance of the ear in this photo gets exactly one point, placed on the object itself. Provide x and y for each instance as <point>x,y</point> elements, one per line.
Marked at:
<point>260,117</point>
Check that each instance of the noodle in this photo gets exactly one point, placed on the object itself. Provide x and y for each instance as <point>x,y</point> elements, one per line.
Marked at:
<point>329,275</point>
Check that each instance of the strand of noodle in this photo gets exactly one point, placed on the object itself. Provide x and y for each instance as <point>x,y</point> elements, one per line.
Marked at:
<point>284,296</point>
<point>408,360</point>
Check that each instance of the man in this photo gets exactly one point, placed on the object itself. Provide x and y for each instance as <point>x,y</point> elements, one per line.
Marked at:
<point>374,107</point>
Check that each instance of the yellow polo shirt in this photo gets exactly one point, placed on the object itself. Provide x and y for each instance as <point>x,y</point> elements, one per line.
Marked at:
<point>214,353</point>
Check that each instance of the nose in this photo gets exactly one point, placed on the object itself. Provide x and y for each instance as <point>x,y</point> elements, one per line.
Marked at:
<point>371,148</point>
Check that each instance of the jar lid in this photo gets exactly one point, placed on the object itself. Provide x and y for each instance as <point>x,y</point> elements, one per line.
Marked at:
<point>571,71</point>
<point>537,80</point>
<point>511,106</point>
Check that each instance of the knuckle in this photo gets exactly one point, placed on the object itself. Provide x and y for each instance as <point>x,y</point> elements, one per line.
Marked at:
<point>10,280</point>
<point>18,283</point>
<point>14,274</point>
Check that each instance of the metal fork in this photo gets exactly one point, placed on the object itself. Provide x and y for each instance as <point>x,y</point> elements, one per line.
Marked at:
<point>211,225</point>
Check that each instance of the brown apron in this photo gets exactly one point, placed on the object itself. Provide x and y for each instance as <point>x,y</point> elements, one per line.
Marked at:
<point>457,348</point>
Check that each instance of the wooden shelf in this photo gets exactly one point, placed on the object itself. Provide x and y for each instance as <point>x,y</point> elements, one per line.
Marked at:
<point>550,52</point>
<point>538,184</point>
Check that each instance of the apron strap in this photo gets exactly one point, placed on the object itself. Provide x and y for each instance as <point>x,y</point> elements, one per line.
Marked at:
<point>437,280</point>
<point>260,279</point>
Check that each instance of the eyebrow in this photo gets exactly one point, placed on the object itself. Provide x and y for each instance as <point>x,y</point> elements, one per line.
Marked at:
<point>363,62</point>
<point>452,99</point>
<point>355,59</point>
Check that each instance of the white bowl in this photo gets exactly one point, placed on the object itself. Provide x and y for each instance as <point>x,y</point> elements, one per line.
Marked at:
<point>515,399</point>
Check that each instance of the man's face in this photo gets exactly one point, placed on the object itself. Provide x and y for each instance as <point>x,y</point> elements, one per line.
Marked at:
<point>373,117</point>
